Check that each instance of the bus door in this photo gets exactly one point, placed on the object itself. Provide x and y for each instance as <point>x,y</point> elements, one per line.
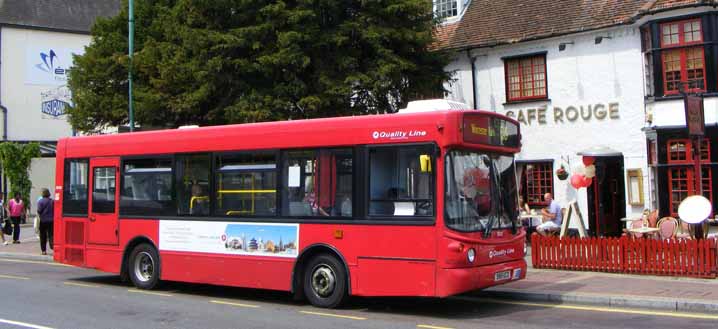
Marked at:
<point>103,221</point>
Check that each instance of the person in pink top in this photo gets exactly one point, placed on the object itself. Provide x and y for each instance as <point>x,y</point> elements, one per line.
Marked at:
<point>16,208</point>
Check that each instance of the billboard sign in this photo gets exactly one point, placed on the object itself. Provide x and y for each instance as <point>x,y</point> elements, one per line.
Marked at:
<point>48,65</point>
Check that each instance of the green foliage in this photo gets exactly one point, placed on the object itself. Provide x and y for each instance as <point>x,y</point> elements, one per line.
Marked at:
<point>16,159</point>
<point>227,61</point>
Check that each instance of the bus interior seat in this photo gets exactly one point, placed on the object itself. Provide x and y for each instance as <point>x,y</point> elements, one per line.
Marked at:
<point>299,209</point>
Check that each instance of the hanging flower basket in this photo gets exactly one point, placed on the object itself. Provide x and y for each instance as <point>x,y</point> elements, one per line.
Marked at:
<point>561,173</point>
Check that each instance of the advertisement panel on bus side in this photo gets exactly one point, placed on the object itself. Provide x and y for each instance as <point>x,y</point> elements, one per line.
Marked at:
<point>256,239</point>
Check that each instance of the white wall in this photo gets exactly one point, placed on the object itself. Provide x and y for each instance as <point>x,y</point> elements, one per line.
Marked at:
<point>672,113</point>
<point>583,74</point>
<point>42,175</point>
<point>23,100</point>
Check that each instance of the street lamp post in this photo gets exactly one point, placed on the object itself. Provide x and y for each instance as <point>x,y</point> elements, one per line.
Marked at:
<point>131,24</point>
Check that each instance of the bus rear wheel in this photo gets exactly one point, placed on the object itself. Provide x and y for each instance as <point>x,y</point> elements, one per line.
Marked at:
<point>144,266</point>
<point>325,281</point>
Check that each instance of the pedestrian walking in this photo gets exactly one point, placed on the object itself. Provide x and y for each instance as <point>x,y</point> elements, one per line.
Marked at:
<point>45,209</point>
<point>16,208</point>
<point>3,218</point>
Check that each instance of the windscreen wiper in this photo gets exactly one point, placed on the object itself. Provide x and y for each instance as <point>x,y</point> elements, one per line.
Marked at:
<point>495,199</point>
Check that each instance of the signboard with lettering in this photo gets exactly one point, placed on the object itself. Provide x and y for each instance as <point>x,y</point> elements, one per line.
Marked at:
<point>490,130</point>
<point>694,115</point>
<point>54,103</point>
<point>48,65</point>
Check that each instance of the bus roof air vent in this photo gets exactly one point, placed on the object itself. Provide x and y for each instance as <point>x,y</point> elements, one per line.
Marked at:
<point>188,127</point>
<point>433,105</point>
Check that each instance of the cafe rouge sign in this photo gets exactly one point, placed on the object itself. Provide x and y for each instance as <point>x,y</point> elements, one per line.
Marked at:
<point>572,113</point>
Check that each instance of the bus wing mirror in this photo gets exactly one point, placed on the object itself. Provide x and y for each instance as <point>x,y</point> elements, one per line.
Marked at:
<point>425,163</point>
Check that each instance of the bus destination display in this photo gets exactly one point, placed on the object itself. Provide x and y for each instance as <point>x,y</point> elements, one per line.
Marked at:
<point>489,130</point>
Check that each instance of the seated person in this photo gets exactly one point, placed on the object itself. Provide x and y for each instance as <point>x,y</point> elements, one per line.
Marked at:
<point>313,201</point>
<point>551,216</point>
<point>523,207</point>
<point>346,207</point>
<point>200,202</point>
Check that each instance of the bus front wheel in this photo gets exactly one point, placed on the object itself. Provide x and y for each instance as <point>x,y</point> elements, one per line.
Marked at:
<point>144,266</point>
<point>325,283</point>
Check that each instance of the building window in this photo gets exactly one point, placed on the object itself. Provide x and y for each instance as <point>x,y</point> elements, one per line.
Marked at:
<point>537,180</point>
<point>681,175</point>
<point>652,158</point>
<point>525,78</point>
<point>647,60</point>
<point>678,56</point>
<point>446,8</point>
<point>449,8</point>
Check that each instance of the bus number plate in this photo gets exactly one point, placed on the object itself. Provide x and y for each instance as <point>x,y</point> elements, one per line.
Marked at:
<point>503,275</point>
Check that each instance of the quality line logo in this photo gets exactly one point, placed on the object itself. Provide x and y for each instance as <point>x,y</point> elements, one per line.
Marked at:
<point>499,253</point>
<point>398,134</point>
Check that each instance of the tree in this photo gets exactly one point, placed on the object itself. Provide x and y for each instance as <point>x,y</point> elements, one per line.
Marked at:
<point>228,61</point>
<point>16,159</point>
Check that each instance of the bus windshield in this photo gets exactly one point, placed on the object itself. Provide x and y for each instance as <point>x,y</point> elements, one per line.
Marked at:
<point>481,191</point>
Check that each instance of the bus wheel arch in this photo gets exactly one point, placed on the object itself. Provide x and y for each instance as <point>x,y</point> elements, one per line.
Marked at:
<point>127,253</point>
<point>307,255</point>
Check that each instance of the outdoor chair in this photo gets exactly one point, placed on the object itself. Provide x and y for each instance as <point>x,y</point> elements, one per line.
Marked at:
<point>638,223</point>
<point>683,231</point>
<point>668,227</point>
<point>653,219</point>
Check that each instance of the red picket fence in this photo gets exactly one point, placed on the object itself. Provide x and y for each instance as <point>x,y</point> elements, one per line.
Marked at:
<point>675,257</point>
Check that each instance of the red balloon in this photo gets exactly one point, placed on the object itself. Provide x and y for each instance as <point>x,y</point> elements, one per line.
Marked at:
<point>577,181</point>
<point>586,181</point>
<point>588,160</point>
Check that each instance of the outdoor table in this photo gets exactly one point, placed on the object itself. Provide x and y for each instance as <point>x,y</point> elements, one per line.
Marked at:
<point>628,221</point>
<point>531,218</point>
<point>644,230</point>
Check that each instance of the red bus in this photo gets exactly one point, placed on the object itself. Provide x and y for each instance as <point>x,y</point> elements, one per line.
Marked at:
<point>407,204</point>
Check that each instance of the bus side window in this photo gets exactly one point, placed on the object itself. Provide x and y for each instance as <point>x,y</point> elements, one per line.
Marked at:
<point>318,183</point>
<point>400,181</point>
<point>146,187</point>
<point>245,184</point>
<point>192,181</point>
<point>75,196</point>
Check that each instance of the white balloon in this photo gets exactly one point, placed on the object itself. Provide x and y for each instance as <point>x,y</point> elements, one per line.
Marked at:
<point>579,170</point>
<point>590,171</point>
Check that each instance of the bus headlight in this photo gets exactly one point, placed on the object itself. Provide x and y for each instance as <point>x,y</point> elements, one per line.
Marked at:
<point>471,255</point>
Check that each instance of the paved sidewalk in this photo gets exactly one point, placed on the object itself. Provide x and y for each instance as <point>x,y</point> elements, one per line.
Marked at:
<point>608,289</point>
<point>28,248</point>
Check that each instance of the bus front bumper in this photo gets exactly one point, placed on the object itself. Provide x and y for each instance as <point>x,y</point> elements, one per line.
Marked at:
<point>452,281</point>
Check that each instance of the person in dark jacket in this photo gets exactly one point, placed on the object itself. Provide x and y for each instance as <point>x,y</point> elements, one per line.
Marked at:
<point>45,209</point>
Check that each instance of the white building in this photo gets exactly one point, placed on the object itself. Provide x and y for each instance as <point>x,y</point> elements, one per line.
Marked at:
<point>592,74</point>
<point>37,41</point>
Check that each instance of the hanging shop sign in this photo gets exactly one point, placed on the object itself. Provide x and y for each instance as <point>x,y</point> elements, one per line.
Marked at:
<point>694,115</point>
<point>561,115</point>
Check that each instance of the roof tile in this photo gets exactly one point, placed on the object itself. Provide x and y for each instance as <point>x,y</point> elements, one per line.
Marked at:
<point>491,22</point>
